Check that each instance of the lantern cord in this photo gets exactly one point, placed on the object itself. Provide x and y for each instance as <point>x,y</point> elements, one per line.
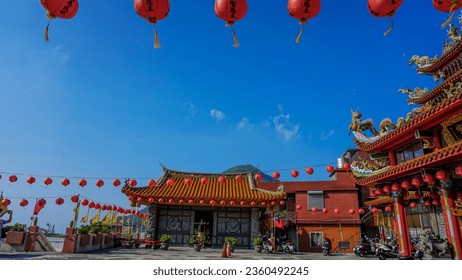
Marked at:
<point>451,10</point>
<point>46,32</point>
<point>236,42</point>
<point>156,39</point>
<point>389,29</point>
<point>297,40</point>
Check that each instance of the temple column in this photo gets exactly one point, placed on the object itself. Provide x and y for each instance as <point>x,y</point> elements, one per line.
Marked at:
<point>254,223</point>
<point>452,222</point>
<point>401,223</point>
<point>391,158</point>
<point>436,140</point>
<point>151,230</point>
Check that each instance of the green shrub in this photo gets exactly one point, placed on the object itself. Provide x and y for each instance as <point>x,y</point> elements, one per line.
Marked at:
<point>165,238</point>
<point>231,240</point>
<point>257,241</point>
<point>16,227</point>
<point>83,229</point>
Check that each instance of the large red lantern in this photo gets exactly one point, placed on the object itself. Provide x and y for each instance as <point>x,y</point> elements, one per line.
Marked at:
<point>387,209</point>
<point>299,207</point>
<point>170,182</point>
<point>413,205</point>
<point>151,200</point>
<point>405,184</point>
<point>75,198</point>
<point>238,178</point>
<point>59,201</point>
<point>378,192</point>
<point>382,8</point>
<point>282,202</point>
<point>330,168</point>
<point>258,177</point>
<point>48,181</point>
<point>309,170</point>
<point>346,166</point>
<point>395,187</point>
<point>352,211</point>
<point>276,175</point>
<point>223,203</point>
<point>132,183</point>
<point>325,210</point>
<point>116,182</point>
<point>204,181</point>
<point>152,183</point>
<point>139,200</point>
<point>85,202</point>
<point>375,210</point>
<point>6,202</point>
<point>231,11</point>
<point>361,211</point>
<point>97,206</point>
<point>23,202</point>
<point>303,10</point>
<point>416,182</point>
<point>386,189</point>
<point>13,178</point>
<point>30,180</point>
<point>65,182</point>
<point>82,183</point>
<point>314,209</point>
<point>429,178</point>
<point>222,179</point>
<point>458,170</point>
<point>99,183</point>
<point>153,11</point>
<point>442,175</point>
<point>294,173</point>
<point>447,6</point>
<point>65,9</point>
<point>336,210</point>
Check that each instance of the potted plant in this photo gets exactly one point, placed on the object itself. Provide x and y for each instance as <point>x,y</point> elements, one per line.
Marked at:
<point>258,244</point>
<point>165,241</point>
<point>84,236</point>
<point>197,241</point>
<point>231,240</point>
<point>15,234</point>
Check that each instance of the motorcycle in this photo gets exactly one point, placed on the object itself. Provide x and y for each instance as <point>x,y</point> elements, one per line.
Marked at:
<point>384,251</point>
<point>362,249</point>
<point>417,253</point>
<point>288,247</point>
<point>268,246</point>
<point>326,247</point>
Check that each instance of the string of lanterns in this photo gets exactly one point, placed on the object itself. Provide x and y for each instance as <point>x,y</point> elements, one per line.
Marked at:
<point>234,10</point>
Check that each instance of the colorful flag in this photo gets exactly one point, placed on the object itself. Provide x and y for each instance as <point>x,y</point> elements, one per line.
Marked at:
<point>278,222</point>
<point>84,219</point>
<point>76,212</point>
<point>95,219</point>
<point>107,219</point>
<point>114,218</point>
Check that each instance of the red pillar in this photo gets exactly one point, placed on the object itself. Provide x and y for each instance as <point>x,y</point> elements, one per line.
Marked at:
<point>452,222</point>
<point>31,238</point>
<point>401,223</point>
<point>436,140</point>
<point>391,158</point>
<point>70,241</point>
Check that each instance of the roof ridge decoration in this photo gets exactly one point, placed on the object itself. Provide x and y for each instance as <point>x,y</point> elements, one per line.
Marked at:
<point>189,173</point>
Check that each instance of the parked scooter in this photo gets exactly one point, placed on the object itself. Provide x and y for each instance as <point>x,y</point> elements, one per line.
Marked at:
<point>386,251</point>
<point>288,247</point>
<point>326,247</point>
<point>363,249</point>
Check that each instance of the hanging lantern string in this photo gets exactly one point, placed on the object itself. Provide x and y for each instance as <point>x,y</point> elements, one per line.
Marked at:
<point>64,196</point>
<point>156,39</point>
<point>452,11</point>
<point>236,42</point>
<point>297,40</point>
<point>389,29</point>
<point>50,17</point>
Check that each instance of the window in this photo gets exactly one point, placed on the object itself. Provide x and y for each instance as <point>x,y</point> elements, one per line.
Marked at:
<point>410,152</point>
<point>316,239</point>
<point>315,199</point>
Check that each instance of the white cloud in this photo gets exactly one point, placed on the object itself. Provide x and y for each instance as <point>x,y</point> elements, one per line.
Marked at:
<point>59,55</point>
<point>217,114</point>
<point>244,123</point>
<point>283,125</point>
<point>329,134</point>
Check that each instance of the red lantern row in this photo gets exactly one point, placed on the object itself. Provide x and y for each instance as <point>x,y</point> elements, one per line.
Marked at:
<point>212,202</point>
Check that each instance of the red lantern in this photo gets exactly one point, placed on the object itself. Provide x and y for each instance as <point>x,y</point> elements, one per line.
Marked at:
<point>222,203</point>
<point>375,210</point>
<point>13,178</point>
<point>30,180</point>
<point>351,211</point>
<point>309,170</point>
<point>65,9</point>
<point>190,201</point>
<point>139,200</point>
<point>232,203</point>
<point>427,203</point>
<point>99,183</point>
<point>447,6</point>
<point>258,177</point>
<point>405,184</point>
<point>276,175</point>
<point>382,8</point>
<point>413,205</point>
<point>346,166</point>
<point>152,183</point>
<point>330,168</point>
<point>386,189</point>
<point>151,200</point>
<point>294,173</point>
<point>212,202</point>
<point>314,209</point>
<point>263,203</point>
<point>442,175</point>
<point>416,182</point>
<point>361,211</point>
<point>429,178</point>
<point>171,201</point>
<point>104,207</point>
<point>387,209</point>
<point>299,207</point>
<point>65,182</point>
<point>187,181</point>
<point>201,201</point>
<point>85,202</point>
<point>75,198</point>
<point>303,10</point>
<point>23,202</point>
<point>161,200</point>
<point>48,181</point>
<point>395,187</point>
<point>242,203</point>
<point>82,183</point>
<point>273,203</point>
<point>6,202</point>
<point>372,193</point>
<point>170,182</point>
<point>336,210</point>
<point>282,202</point>
<point>238,178</point>
<point>153,11</point>
<point>132,183</point>
<point>458,170</point>
<point>131,198</point>
<point>181,201</point>
<point>59,201</point>
<point>253,203</point>
<point>116,182</point>
<point>324,210</point>
<point>231,11</point>
<point>378,192</point>
<point>109,207</point>
<point>435,202</point>
<point>97,206</point>
<point>204,181</point>
<point>222,179</point>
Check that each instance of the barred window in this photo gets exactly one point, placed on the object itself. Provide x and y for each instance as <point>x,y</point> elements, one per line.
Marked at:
<point>315,199</point>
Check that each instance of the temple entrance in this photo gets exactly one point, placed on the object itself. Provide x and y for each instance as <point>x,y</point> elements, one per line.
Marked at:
<point>203,222</point>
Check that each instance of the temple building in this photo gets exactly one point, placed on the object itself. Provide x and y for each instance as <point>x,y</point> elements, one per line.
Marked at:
<point>218,205</point>
<point>413,168</point>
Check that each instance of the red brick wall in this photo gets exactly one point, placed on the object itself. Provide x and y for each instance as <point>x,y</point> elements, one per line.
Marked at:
<point>349,233</point>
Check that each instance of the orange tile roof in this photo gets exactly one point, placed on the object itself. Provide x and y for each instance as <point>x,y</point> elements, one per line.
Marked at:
<point>424,120</point>
<point>435,159</point>
<point>439,89</point>
<point>181,193</point>
<point>446,58</point>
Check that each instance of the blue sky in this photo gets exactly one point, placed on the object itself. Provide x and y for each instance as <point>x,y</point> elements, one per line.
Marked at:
<point>98,101</point>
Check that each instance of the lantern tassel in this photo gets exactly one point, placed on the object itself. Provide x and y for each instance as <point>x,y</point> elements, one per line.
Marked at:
<point>156,39</point>
<point>389,29</point>
<point>236,42</point>
<point>297,40</point>
<point>46,32</point>
<point>451,10</point>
